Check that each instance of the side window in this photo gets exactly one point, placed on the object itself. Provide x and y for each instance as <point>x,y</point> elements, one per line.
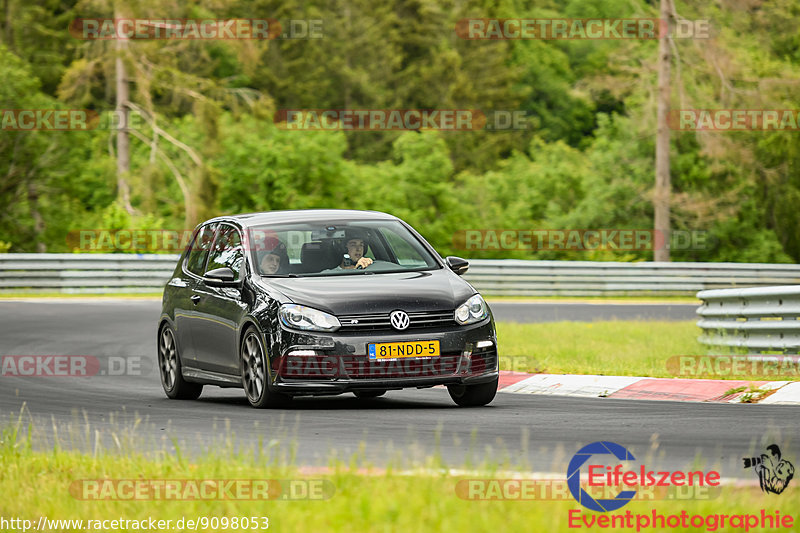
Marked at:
<point>227,251</point>
<point>196,261</point>
<point>403,250</point>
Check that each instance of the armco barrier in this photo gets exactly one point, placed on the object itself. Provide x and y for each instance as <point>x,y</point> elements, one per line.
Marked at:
<point>85,273</point>
<point>102,273</point>
<point>594,278</point>
<point>762,319</point>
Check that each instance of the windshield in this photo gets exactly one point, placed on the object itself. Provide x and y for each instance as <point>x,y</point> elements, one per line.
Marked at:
<point>337,248</point>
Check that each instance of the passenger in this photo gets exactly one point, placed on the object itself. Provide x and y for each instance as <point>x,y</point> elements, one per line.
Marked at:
<point>273,259</point>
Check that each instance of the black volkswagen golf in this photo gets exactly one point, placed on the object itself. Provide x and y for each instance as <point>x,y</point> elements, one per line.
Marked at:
<point>322,302</point>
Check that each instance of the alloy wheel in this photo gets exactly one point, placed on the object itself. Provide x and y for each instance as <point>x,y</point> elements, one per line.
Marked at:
<point>253,364</point>
<point>168,358</point>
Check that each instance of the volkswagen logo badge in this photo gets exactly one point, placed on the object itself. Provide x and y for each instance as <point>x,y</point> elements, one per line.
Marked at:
<point>399,320</point>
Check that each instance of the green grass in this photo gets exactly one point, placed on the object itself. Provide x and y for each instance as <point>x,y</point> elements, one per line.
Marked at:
<point>37,483</point>
<point>627,348</point>
<point>616,348</point>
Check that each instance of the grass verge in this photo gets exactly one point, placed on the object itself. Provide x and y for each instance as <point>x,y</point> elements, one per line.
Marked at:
<point>614,348</point>
<point>45,483</point>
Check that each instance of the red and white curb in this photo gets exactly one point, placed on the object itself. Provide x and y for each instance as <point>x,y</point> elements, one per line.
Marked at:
<point>642,388</point>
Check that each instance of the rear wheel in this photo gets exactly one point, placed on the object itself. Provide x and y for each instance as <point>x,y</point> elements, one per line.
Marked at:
<point>169,363</point>
<point>255,373</point>
<point>365,394</point>
<point>473,395</point>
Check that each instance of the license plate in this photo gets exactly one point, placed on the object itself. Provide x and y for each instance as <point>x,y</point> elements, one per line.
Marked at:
<point>396,350</point>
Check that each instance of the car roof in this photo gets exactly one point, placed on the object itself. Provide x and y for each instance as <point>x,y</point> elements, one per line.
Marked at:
<point>302,215</point>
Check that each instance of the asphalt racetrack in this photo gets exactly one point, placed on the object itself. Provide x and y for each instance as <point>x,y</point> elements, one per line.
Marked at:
<point>523,431</point>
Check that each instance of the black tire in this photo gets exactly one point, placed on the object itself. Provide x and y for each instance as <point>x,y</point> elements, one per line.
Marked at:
<point>473,395</point>
<point>255,373</point>
<point>169,365</point>
<point>367,394</point>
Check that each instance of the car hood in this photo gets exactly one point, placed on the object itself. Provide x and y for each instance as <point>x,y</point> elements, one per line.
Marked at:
<point>376,293</point>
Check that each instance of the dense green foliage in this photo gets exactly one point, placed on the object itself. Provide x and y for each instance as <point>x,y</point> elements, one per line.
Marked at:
<point>585,160</point>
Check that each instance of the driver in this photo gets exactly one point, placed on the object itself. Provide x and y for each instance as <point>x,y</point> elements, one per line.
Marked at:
<point>356,244</point>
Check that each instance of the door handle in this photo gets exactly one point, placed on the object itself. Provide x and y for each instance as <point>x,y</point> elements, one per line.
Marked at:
<point>195,299</point>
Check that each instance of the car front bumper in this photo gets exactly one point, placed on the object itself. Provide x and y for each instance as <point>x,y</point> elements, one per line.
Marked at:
<point>320,364</point>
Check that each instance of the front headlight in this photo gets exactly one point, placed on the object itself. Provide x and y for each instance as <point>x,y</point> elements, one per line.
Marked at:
<point>307,318</point>
<point>471,311</point>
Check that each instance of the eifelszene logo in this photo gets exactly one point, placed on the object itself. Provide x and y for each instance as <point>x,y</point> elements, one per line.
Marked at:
<point>574,476</point>
<point>774,473</point>
<point>608,477</point>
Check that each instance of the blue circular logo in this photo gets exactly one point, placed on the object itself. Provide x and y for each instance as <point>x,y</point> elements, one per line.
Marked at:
<point>574,476</point>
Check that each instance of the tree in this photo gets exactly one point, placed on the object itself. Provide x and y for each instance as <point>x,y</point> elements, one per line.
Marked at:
<point>662,190</point>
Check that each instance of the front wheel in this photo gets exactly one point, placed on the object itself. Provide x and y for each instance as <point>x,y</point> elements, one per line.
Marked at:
<point>255,374</point>
<point>473,395</point>
<point>169,363</point>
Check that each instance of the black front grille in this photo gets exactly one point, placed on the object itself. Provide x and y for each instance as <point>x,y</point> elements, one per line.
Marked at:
<point>380,321</point>
<point>363,368</point>
<point>483,360</point>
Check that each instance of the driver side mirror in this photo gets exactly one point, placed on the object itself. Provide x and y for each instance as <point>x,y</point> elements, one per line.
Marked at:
<point>457,265</point>
<point>221,277</point>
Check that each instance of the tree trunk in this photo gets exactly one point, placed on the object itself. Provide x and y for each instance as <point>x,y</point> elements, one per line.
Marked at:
<point>38,221</point>
<point>7,32</point>
<point>123,138</point>
<point>661,197</point>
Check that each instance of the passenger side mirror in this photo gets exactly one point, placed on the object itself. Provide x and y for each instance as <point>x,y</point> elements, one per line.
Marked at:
<point>221,277</point>
<point>457,265</point>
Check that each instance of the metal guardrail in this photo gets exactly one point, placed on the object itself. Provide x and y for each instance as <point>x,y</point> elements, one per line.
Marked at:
<point>596,278</point>
<point>763,319</point>
<point>104,273</point>
<point>85,273</point>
